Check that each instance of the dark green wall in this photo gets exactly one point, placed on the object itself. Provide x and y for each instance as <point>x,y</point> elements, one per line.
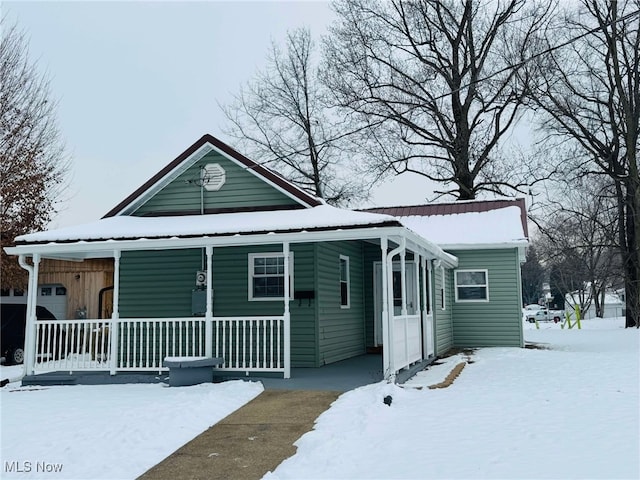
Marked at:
<point>159,284</point>
<point>341,330</point>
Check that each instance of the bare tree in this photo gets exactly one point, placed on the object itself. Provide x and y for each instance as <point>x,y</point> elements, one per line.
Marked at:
<point>434,82</point>
<point>33,163</point>
<point>579,240</point>
<point>280,118</point>
<point>588,98</point>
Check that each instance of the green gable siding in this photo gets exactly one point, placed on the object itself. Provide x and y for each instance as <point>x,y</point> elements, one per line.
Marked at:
<point>159,284</point>
<point>341,330</point>
<point>442,318</point>
<point>499,321</point>
<point>242,189</point>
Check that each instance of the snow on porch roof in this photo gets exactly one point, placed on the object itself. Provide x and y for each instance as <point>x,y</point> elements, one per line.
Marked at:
<point>502,226</point>
<point>130,227</point>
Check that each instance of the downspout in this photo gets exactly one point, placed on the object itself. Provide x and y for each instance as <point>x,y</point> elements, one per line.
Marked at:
<point>32,295</point>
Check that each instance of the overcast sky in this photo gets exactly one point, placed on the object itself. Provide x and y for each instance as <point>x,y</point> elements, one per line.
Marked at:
<point>139,82</point>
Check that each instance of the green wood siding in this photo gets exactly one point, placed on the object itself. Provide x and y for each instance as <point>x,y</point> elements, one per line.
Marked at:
<point>443,318</point>
<point>159,284</point>
<point>241,189</point>
<point>499,321</point>
<point>341,330</point>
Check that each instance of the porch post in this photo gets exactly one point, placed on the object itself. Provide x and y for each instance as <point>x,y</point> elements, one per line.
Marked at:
<point>425,308</point>
<point>386,363</point>
<point>416,266</point>
<point>30,330</point>
<point>403,280</point>
<point>208,317</point>
<point>287,316</point>
<point>114,336</point>
<point>431,311</point>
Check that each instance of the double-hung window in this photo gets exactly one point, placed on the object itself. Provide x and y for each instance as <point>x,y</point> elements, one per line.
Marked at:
<point>345,284</point>
<point>266,276</point>
<point>472,285</point>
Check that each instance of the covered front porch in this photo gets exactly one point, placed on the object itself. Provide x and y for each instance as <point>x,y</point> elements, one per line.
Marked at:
<point>256,338</point>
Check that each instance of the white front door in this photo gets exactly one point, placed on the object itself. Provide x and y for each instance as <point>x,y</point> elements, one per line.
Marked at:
<point>413,304</point>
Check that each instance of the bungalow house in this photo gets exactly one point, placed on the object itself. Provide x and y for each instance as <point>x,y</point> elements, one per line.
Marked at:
<point>218,256</point>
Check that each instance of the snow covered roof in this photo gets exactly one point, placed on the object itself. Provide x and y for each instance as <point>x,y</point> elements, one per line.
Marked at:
<point>501,226</point>
<point>323,217</point>
<point>320,223</point>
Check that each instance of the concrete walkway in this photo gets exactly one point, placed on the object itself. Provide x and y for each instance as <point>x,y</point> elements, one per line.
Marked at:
<point>250,442</point>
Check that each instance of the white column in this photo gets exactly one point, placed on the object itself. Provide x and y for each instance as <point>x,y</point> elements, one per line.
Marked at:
<point>403,281</point>
<point>416,266</point>
<point>425,310</point>
<point>30,329</point>
<point>386,359</point>
<point>114,335</point>
<point>208,317</point>
<point>431,311</point>
<point>287,316</point>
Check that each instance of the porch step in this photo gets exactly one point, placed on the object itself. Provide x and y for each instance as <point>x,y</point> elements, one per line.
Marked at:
<point>53,379</point>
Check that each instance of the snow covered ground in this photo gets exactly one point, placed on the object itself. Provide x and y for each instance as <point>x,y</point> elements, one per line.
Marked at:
<point>106,431</point>
<point>570,410</point>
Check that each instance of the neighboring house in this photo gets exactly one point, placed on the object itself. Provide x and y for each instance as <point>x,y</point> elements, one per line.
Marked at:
<point>218,256</point>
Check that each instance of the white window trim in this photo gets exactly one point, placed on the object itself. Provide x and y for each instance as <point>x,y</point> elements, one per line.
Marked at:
<point>250,271</point>
<point>486,284</point>
<point>345,258</point>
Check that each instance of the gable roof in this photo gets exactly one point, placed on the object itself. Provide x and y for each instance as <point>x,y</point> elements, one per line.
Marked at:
<point>458,207</point>
<point>191,155</point>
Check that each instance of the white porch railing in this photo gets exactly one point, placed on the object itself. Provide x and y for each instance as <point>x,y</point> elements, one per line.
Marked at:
<point>251,344</point>
<point>407,340</point>
<point>254,344</point>
<point>71,345</point>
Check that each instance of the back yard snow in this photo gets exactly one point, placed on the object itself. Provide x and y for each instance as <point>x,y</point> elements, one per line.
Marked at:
<point>569,410</point>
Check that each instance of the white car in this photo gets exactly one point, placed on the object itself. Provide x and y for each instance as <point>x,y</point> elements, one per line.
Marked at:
<point>544,315</point>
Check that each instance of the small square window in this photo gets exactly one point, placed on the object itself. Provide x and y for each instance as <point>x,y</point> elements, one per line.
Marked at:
<point>472,286</point>
<point>46,291</point>
<point>61,291</point>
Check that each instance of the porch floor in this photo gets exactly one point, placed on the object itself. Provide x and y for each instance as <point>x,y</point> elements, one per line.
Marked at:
<point>339,376</point>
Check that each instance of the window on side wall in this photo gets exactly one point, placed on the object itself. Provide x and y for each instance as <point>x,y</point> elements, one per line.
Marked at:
<point>266,276</point>
<point>345,283</point>
<point>471,285</point>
